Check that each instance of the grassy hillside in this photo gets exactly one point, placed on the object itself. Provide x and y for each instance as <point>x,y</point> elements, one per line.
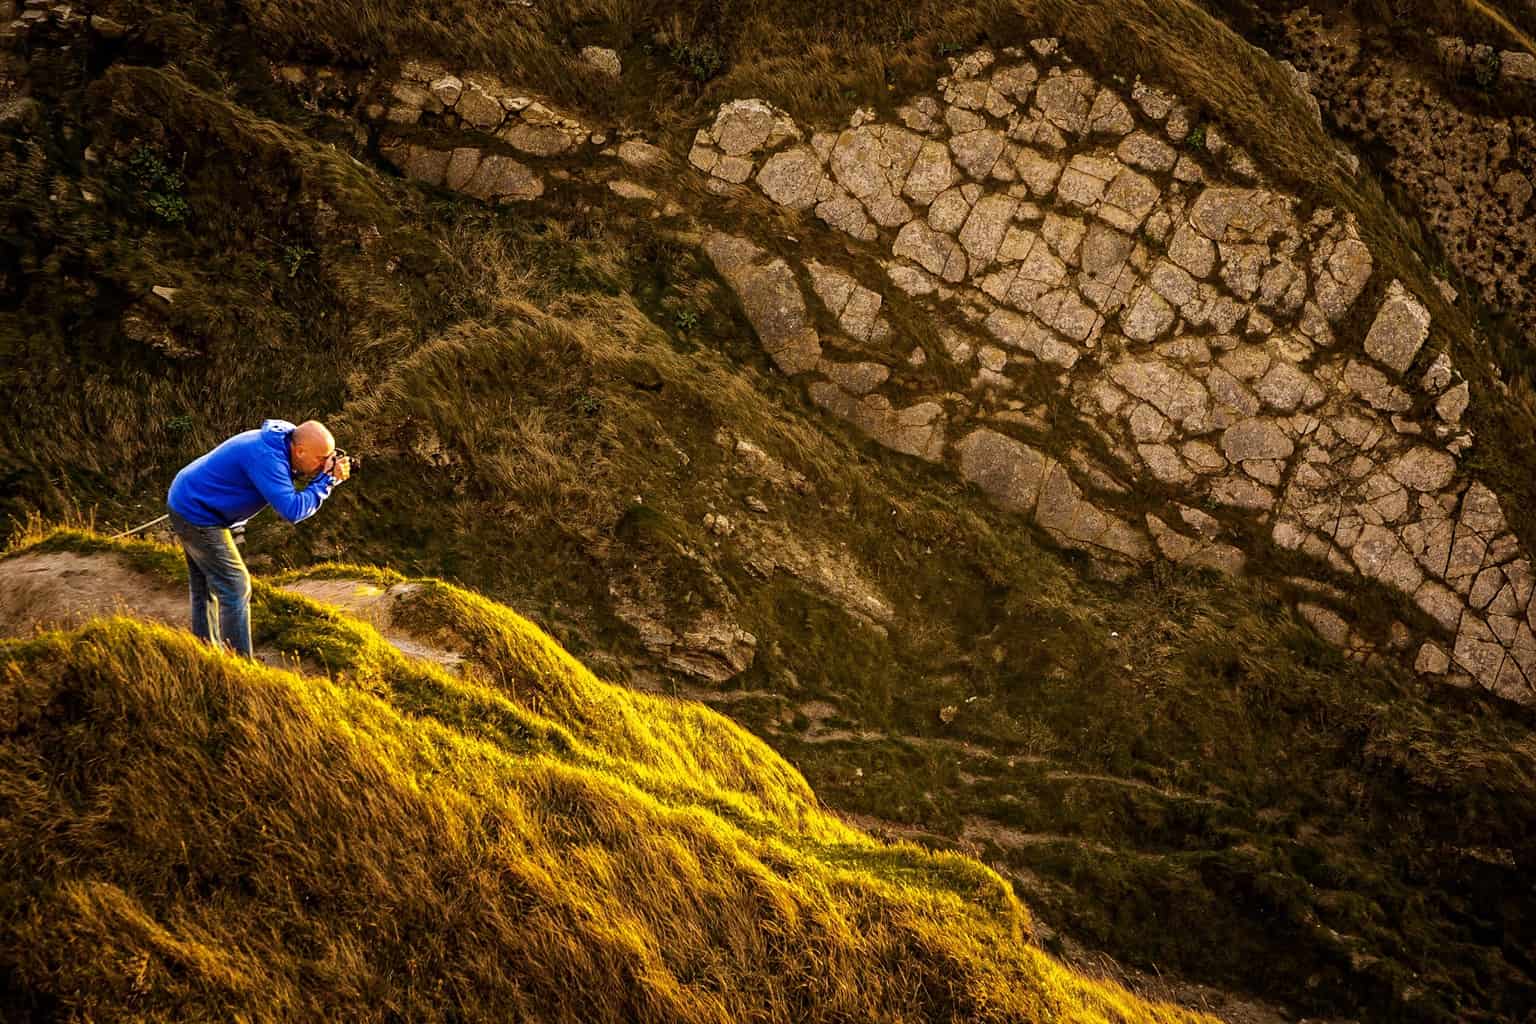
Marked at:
<point>189,837</point>
<point>549,397</point>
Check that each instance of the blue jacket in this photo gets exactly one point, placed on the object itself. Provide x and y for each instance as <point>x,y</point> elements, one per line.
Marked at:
<point>235,480</point>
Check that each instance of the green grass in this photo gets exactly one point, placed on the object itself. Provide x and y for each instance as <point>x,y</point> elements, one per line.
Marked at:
<point>192,837</point>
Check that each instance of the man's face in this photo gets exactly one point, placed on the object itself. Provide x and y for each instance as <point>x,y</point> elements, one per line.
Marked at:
<point>309,460</point>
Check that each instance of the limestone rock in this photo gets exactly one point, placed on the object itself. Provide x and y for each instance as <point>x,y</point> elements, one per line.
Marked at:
<point>1285,387</point>
<point>1172,392</point>
<point>631,190</point>
<point>1128,199</point>
<point>1431,660</point>
<point>1065,100</point>
<point>417,161</point>
<point>1009,471</point>
<point>1240,492</point>
<point>1148,316</point>
<point>603,59</point>
<point>1147,152</point>
<point>1109,115</point>
<point>1256,438</point>
<point>873,160</point>
<point>1164,464</point>
<point>1372,385</point>
<point>1038,172</point>
<point>1216,210</point>
<point>791,177</point>
<point>1423,469</point>
<point>1439,375</point>
<point>1330,625</point>
<point>846,214</point>
<point>1075,522</point>
<point>479,104</point>
<point>744,126</point>
<point>984,228</point>
<point>1029,335</point>
<point>1202,553</point>
<point>501,177</point>
<point>931,174</point>
<point>934,252</point>
<point>732,169</point>
<point>1021,479</point>
<point>915,430</point>
<point>1453,404</point>
<point>1085,179</point>
<point>977,151</point>
<point>771,298</point>
<point>447,89</point>
<point>856,378</point>
<point>1016,81</point>
<point>857,308</point>
<point>1380,555</point>
<point>1340,269</point>
<point>536,139</point>
<point>1400,328</point>
<point>948,211</point>
<point>1192,251</point>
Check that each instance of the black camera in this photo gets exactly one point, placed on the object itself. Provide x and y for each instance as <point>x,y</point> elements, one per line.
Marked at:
<point>336,456</point>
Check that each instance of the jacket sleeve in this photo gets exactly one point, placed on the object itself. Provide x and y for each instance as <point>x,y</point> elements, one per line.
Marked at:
<point>271,478</point>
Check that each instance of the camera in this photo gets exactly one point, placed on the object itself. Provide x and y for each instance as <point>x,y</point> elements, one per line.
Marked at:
<point>336,456</point>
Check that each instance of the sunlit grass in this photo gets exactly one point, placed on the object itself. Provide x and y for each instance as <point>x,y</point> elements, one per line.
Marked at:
<point>197,837</point>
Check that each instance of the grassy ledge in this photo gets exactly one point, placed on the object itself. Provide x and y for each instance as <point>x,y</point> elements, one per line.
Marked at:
<point>193,837</point>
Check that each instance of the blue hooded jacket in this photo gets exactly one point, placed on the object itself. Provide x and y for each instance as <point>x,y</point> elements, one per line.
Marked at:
<point>241,476</point>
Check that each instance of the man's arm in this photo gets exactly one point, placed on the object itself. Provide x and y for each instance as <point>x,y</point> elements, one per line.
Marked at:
<point>272,480</point>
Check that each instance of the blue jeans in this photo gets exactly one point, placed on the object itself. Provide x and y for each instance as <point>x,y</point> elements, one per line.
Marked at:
<point>217,577</point>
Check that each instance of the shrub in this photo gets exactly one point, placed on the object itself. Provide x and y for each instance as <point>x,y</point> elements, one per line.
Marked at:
<point>158,188</point>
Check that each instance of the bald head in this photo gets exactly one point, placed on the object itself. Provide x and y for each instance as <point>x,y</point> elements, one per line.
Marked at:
<point>312,445</point>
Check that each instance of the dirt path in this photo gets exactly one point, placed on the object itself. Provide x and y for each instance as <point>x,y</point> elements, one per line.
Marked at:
<point>64,589</point>
<point>374,605</point>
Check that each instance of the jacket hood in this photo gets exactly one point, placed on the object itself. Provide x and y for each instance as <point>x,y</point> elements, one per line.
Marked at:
<point>275,433</point>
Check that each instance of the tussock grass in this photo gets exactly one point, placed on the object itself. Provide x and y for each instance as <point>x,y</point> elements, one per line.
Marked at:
<point>191,836</point>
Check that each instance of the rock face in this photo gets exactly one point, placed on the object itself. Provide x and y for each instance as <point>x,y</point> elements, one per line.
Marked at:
<point>1471,169</point>
<point>492,176</point>
<point>710,648</point>
<point>1196,321</point>
<point>1024,480</point>
<point>771,298</point>
<point>471,133</point>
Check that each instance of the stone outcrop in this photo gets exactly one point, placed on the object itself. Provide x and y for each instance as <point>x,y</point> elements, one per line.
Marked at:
<point>1024,480</point>
<point>1189,312</point>
<point>772,300</point>
<point>465,131</point>
<point>1468,166</point>
<point>490,176</point>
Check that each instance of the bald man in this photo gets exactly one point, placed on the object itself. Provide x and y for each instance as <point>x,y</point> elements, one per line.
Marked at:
<point>223,489</point>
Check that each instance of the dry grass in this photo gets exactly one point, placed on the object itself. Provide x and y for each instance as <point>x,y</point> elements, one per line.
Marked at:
<point>191,837</point>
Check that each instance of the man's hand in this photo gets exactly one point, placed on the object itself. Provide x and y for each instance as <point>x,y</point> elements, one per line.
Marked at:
<point>341,468</point>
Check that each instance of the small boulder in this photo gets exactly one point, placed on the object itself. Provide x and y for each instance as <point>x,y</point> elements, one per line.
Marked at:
<point>603,59</point>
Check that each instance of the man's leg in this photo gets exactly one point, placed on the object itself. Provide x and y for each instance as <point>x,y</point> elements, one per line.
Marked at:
<point>194,545</point>
<point>211,553</point>
<point>198,586</point>
<point>231,584</point>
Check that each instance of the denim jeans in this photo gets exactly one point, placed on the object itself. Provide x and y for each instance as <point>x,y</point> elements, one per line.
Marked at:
<point>219,583</point>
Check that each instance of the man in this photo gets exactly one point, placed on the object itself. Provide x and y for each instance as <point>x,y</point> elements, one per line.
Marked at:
<point>223,489</point>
